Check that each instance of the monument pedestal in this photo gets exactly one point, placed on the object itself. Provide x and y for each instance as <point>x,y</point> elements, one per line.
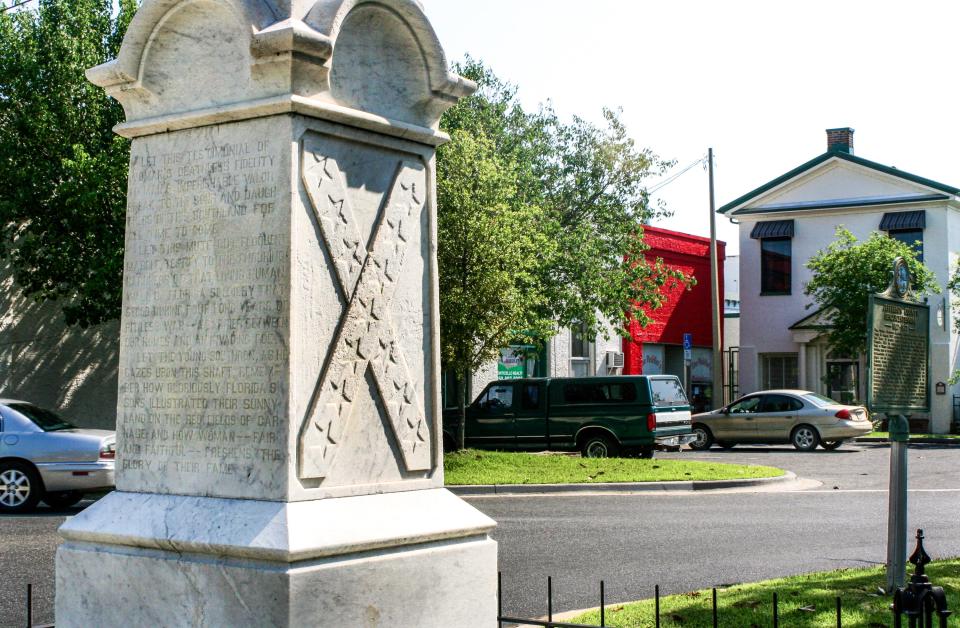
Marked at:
<point>375,560</point>
<point>279,451</point>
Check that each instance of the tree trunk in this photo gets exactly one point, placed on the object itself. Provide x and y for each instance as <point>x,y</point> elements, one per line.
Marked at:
<point>462,394</point>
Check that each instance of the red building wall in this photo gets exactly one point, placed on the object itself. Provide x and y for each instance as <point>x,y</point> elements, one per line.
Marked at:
<point>684,311</point>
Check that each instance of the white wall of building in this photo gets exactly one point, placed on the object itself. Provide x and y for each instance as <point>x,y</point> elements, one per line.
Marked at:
<point>765,319</point>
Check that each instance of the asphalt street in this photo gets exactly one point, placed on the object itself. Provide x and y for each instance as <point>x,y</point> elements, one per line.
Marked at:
<point>681,541</point>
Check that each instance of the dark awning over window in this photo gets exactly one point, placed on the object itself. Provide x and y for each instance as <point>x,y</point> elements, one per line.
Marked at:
<point>772,229</point>
<point>904,220</point>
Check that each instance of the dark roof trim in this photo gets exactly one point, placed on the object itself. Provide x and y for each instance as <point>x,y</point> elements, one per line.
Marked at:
<point>807,322</point>
<point>904,220</point>
<point>846,157</point>
<point>842,204</point>
<point>772,229</point>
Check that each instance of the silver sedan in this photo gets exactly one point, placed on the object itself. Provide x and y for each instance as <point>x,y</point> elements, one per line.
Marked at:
<point>43,457</point>
<point>800,417</point>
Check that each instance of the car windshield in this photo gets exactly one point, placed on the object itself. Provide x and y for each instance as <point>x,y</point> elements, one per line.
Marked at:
<point>820,400</point>
<point>45,419</point>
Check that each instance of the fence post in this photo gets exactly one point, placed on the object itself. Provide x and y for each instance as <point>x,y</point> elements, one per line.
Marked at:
<point>776,611</point>
<point>714,607</point>
<point>29,605</point>
<point>549,601</point>
<point>839,613</point>
<point>499,599</point>
<point>656,597</point>
<point>603,621</point>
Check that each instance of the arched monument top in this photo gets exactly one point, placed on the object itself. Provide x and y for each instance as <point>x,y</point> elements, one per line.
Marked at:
<point>377,64</point>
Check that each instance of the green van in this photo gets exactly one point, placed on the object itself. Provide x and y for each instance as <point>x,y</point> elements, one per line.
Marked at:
<point>599,416</point>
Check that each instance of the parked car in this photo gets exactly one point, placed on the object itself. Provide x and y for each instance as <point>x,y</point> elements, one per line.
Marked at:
<point>800,417</point>
<point>43,457</point>
<point>599,416</point>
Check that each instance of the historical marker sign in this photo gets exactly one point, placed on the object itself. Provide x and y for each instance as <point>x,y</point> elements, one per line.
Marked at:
<point>898,346</point>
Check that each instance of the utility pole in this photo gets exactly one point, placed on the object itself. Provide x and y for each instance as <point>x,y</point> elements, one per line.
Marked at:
<point>718,396</point>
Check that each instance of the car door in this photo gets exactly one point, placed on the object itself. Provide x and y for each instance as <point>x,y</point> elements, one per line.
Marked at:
<point>737,424</point>
<point>530,416</point>
<point>776,417</point>
<point>490,419</point>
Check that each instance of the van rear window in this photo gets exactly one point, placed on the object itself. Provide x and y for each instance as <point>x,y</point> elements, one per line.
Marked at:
<point>599,393</point>
<point>667,392</point>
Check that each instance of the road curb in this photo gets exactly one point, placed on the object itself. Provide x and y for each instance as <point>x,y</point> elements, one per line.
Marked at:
<point>919,441</point>
<point>617,487</point>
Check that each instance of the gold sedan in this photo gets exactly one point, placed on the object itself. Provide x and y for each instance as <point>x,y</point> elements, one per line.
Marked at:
<point>800,417</point>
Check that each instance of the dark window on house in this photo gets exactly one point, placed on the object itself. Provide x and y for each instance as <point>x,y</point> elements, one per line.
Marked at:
<point>775,261</point>
<point>780,371</point>
<point>911,237</point>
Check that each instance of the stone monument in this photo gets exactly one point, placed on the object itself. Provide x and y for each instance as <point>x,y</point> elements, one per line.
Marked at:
<point>279,448</point>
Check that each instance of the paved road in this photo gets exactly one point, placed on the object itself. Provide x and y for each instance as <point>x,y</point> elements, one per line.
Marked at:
<point>684,541</point>
<point>681,541</point>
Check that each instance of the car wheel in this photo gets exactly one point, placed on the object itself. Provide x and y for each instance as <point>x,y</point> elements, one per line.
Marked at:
<point>599,446</point>
<point>831,444</point>
<point>62,499</point>
<point>20,487</point>
<point>805,438</point>
<point>703,438</point>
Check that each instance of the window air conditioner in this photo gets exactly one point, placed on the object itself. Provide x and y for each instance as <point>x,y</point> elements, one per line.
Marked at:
<point>614,360</point>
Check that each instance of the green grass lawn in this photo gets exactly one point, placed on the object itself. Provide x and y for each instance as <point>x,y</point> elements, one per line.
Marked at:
<point>495,467</point>
<point>913,436</point>
<point>804,601</point>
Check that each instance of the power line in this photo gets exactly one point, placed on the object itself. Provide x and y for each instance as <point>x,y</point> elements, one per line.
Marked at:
<point>14,5</point>
<point>665,182</point>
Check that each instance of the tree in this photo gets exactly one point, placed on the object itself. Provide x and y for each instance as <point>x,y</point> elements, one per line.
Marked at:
<point>487,251</point>
<point>62,170</point>
<point>591,183</point>
<point>540,226</point>
<point>847,272</point>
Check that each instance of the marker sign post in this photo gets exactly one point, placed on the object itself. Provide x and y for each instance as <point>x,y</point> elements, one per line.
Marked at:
<point>687,359</point>
<point>898,366</point>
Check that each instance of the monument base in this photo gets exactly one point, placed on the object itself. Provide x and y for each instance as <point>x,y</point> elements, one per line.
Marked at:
<point>413,559</point>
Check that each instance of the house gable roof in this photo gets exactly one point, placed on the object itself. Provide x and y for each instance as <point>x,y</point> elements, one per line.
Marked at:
<point>932,190</point>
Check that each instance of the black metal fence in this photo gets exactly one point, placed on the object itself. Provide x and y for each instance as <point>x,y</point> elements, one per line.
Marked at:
<point>920,602</point>
<point>549,622</point>
<point>29,610</point>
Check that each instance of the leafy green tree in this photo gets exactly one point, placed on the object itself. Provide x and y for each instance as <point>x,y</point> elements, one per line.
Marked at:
<point>847,272</point>
<point>540,226</point>
<point>591,183</point>
<point>62,170</point>
<point>487,253</point>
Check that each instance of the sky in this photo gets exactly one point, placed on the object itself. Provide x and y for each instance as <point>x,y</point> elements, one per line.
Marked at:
<point>759,82</point>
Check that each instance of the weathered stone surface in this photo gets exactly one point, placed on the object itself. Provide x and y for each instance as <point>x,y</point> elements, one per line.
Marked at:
<point>279,453</point>
<point>414,558</point>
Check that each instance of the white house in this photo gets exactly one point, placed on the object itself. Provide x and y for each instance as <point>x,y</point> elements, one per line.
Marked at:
<point>786,221</point>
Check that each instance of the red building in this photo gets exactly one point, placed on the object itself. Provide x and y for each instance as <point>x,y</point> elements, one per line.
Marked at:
<point>658,347</point>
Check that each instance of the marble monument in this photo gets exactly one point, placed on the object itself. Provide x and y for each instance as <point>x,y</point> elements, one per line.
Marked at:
<point>279,448</point>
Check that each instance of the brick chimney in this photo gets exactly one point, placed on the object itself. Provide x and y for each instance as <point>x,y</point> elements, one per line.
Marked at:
<point>840,140</point>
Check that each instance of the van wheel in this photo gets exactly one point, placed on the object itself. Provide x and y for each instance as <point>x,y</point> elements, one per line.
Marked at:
<point>703,438</point>
<point>448,444</point>
<point>599,446</point>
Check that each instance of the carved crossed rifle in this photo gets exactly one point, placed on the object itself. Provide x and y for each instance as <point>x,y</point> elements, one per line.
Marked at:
<point>365,338</point>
